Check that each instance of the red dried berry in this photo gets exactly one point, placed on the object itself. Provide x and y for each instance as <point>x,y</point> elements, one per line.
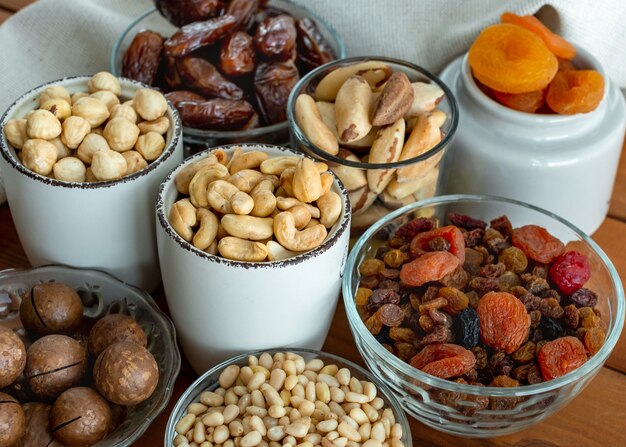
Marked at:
<point>450,233</point>
<point>570,271</point>
<point>465,221</point>
<point>504,322</point>
<point>537,243</point>
<point>444,360</point>
<point>431,266</point>
<point>410,229</point>
<point>557,358</point>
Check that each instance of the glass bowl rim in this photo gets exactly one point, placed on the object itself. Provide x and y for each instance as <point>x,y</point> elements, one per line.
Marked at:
<point>381,386</point>
<point>228,134</point>
<point>358,327</point>
<point>306,79</point>
<point>174,358</point>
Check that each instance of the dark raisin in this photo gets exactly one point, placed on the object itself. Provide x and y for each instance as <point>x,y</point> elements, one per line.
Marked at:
<point>504,366</point>
<point>438,244</point>
<point>390,274</point>
<point>503,225</point>
<point>457,278</point>
<point>551,293</point>
<point>391,315</point>
<point>473,237</point>
<point>540,271</point>
<point>535,318</point>
<point>550,307</point>
<point>534,375</point>
<point>382,251</point>
<point>492,270</point>
<point>521,372</point>
<point>525,353</point>
<point>508,280</point>
<point>380,297</point>
<point>497,244</point>
<point>481,357</point>
<point>571,316</point>
<point>410,229</point>
<point>473,299</point>
<point>370,282</point>
<point>584,298</point>
<point>467,222</point>
<point>530,301</point>
<point>383,336</point>
<point>439,334</point>
<point>473,260</point>
<point>483,285</point>
<point>389,284</point>
<point>550,328</point>
<point>466,328</point>
<point>470,376</point>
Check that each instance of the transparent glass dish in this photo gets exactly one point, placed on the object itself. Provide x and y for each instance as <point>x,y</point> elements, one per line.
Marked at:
<point>273,134</point>
<point>451,407</point>
<point>430,160</point>
<point>103,294</point>
<point>209,382</point>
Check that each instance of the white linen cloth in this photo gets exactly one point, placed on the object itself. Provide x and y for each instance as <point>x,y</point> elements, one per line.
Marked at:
<point>54,38</point>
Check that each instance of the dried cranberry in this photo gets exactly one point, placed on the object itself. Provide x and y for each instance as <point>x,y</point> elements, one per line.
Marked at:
<point>570,271</point>
<point>465,221</point>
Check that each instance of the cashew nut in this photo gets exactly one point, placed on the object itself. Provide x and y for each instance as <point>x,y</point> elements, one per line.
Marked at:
<point>264,198</point>
<point>276,252</point>
<point>292,239</point>
<point>212,249</point>
<point>330,208</point>
<point>312,223</point>
<point>246,179</point>
<point>276,165</point>
<point>242,250</point>
<point>186,174</point>
<point>248,227</point>
<point>247,160</point>
<point>327,182</point>
<point>285,203</point>
<point>307,183</point>
<point>226,198</point>
<point>236,153</point>
<point>182,218</point>
<point>205,236</point>
<point>286,181</point>
<point>201,180</point>
<point>301,216</point>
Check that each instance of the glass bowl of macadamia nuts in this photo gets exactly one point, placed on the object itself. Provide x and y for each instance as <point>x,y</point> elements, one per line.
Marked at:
<point>88,359</point>
<point>82,159</point>
<point>381,124</point>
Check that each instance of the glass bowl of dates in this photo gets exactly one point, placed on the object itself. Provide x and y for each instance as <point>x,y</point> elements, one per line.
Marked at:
<point>66,335</point>
<point>381,124</point>
<point>485,315</point>
<point>227,66</point>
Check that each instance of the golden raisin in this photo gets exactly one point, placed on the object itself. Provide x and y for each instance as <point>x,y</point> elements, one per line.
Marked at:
<point>457,300</point>
<point>362,295</point>
<point>371,267</point>
<point>594,339</point>
<point>394,258</point>
<point>504,382</point>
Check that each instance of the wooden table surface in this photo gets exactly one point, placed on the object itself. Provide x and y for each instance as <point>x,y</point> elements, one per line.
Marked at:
<point>597,417</point>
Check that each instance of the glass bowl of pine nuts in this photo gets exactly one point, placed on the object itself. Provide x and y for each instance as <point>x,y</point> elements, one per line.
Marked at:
<point>296,397</point>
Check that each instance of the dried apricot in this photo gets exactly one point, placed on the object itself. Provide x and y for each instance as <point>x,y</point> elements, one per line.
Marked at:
<point>444,360</point>
<point>528,102</point>
<point>559,46</point>
<point>431,266</point>
<point>537,243</point>
<point>557,358</point>
<point>504,322</point>
<point>511,59</point>
<point>570,271</point>
<point>450,234</point>
<point>575,91</point>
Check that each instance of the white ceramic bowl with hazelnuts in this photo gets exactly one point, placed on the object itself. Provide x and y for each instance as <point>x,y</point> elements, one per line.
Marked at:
<point>82,160</point>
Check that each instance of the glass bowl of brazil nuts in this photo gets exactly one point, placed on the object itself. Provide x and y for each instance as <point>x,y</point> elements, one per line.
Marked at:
<point>381,124</point>
<point>485,318</point>
<point>300,397</point>
<point>261,120</point>
<point>104,302</point>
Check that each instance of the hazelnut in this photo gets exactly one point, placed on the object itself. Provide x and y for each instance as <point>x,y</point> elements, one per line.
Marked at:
<point>75,129</point>
<point>124,111</point>
<point>69,169</point>
<point>108,165</point>
<point>62,150</point>
<point>42,124</point>
<point>76,96</point>
<point>159,125</point>
<point>98,130</point>
<point>104,81</point>
<point>39,156</point>
<point>91,144</point>
<point>53,92</point>
<point>58,107</point>
<point>15,132</point>
<point>121,134</point>
<point>89,177</point>
<point>126,373</point>
<point>92,109</point>
<point>37,433</point>
<point>149,104</point>
<point>134,162</point>
<point>54,363</point>
<point>12,420</point>
<point>107,97</point>
<point>12,358</point>
<point>150,145</point>
<point>80,416</point>
<point>114,328</point>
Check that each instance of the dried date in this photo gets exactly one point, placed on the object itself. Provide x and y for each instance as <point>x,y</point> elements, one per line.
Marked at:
<point>202,77</point>
<point>179,96</point>
<point>313,50</point>
<point>237,54</point>
<point>273,83</point>
<point>182,12</point>
<point>199,34</point>
<point>243,12</point>
<point>216,114</point>
<point>143,57</point>
<point>275,37</point>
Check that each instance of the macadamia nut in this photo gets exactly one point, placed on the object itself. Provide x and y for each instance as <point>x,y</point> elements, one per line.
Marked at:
<point>149,104</point>
<point>108,165</point>
<point>121,134</point>
<point>70,169</point>
<point>150,145</point>
<point>39,155</point>
<point>42,124</point>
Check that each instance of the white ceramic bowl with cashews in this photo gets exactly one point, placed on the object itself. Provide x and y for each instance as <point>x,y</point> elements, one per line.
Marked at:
<point>82,221</point>
<point>222,307</point>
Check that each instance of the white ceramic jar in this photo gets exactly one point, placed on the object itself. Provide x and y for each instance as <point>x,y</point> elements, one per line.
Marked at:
<point>563,163</point>
<point>223,308</point>
<point>103,225</point>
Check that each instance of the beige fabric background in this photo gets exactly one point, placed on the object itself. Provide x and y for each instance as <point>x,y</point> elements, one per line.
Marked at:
<point>54,38</point>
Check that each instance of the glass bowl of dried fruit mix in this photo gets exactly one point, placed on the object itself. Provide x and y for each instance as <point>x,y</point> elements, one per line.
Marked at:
<point>381,124</point>
<point>324,398</point>
<point>485,315</point>
<point>228,69</point>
